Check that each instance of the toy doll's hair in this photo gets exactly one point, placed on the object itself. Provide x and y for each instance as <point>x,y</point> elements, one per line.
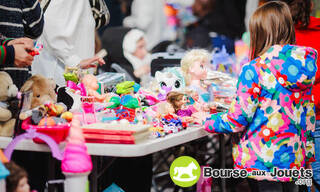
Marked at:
<point>191,57</point>
<point>269,25</point>
<point>173,97</point>
<point>16,174</point>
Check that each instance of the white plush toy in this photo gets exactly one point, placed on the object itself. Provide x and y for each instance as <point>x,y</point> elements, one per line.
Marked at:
<point>171,79</point>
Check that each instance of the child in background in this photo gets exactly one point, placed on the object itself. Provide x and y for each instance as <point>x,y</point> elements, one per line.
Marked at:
<point>17,181</point>
<point>273,113</point>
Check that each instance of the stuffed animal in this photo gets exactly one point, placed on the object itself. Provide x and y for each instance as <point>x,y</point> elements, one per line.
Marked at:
<point>171,79</point>
<point>7,90</point>
<point>42,90</point>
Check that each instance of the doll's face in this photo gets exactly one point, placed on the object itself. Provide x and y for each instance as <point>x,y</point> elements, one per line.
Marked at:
<point>141,50</point>
<point>23,185</point>
<point>182,101</point>
<point>198,70</point>
<point>90,82</point>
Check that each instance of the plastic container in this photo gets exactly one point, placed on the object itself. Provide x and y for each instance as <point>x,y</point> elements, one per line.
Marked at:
<point>76,182</point>
<point>58,132</point>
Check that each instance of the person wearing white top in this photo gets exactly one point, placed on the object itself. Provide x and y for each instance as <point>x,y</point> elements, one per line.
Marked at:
<point>68,39</point>
<point>149,16</point>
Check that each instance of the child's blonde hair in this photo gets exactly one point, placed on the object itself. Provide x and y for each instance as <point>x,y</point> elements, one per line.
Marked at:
<point>191,57</point>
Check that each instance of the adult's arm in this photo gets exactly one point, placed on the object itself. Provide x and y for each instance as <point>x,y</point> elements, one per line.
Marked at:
<point>32,18</point>
<point>62,20</point>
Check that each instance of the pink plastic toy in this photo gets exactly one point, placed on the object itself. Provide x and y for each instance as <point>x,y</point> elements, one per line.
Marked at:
<point>76,158</point>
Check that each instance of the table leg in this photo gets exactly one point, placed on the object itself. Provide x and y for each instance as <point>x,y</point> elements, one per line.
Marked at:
<point>51,172</point>
<point>222,160</point>
<point>94,175</point>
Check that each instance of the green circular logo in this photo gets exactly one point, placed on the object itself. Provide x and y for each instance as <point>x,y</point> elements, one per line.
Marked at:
<point>185,171</point>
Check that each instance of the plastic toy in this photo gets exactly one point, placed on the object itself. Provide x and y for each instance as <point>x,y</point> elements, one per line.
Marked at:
<point>125,87</point>
<point>91,84</point>
<point>169,80</point>
<point>194,66</point>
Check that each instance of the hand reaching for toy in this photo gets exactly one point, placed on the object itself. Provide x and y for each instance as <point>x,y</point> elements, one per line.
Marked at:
<point>22,58</point>
<point>91,63</point>
<point>26,41</point>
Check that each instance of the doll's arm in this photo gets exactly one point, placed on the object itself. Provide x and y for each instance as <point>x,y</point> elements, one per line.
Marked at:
<point>96,95</point>
<point>242,108</point>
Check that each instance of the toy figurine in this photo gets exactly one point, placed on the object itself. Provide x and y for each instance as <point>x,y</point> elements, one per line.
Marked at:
<point>91,84</point>
<point>194,67</point>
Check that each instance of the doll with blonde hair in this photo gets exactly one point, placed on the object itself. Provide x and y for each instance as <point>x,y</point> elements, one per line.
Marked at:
<point>194,67</point>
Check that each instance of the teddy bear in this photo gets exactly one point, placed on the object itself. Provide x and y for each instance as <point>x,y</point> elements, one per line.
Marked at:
<point>7,90</point>
<point>43,90</point>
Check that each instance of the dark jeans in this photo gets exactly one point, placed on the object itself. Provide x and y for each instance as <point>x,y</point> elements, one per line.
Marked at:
<point>316,164</point>
<point>272,186</point>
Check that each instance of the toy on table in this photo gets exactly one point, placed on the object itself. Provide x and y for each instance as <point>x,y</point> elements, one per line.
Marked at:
<point>76,163</point>
<point>91,84</point>
<point>171,79</point>
<point>124,107</point>
<point>88,109</point>
<point>7,90</point>
<point>178,102</point>
<point>42,90</point>
<point>172,124</point>
<point>157,132</point>
<point>72,74</point>
<point>194,66</point>
<point>109,80</point>
<point>126,87</point>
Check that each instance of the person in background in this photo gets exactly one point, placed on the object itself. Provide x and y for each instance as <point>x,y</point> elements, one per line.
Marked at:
<point>20,18</point>
<point>149,17</point>
<point>128,51</point>
<point>68,39</point>
<point>308,34</point>
<point>220,23</point>
<point>272,117</point>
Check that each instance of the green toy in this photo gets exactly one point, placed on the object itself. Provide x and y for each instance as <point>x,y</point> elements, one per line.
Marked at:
<point>71,77</point>
<point>133,103</point>
<point>116,102</point>
<point>125,87</point>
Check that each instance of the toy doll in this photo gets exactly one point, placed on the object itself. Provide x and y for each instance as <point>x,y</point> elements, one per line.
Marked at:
<point>194,67</point>
<point>178,102</point>
<point>91,84</point>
